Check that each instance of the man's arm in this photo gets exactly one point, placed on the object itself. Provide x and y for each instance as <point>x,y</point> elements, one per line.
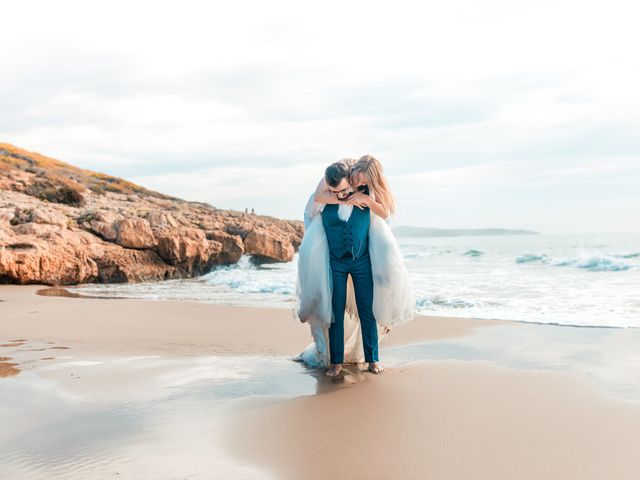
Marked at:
<point>323,195</point>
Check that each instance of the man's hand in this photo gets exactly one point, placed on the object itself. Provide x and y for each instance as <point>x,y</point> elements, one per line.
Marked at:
<point>359,200</point>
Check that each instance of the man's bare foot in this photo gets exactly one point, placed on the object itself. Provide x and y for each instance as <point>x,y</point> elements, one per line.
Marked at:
<point>375,367</point>
<point>334,369</point>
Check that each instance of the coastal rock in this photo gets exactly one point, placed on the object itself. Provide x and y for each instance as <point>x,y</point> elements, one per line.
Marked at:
<point>268,245</point>
<point>120,232</point>
<point>39,215</point>
<point>102,224</point>
<point>33,260</point>
<point>41,230</point>
<point>6,214</point>
<point>190,250</point>
<point>158,219</point>
<point>6,236</point>
<point>122,265</point>
<point>50,217</point>
<point>134,233</point>
<point>232,246</point>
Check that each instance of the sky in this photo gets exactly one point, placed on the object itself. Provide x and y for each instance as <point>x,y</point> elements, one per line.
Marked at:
<point>484,113</point>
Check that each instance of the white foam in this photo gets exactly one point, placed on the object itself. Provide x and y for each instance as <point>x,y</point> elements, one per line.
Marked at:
<point>564,279</point>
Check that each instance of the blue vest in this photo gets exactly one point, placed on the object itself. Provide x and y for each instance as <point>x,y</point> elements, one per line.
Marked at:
<point>351,236</point>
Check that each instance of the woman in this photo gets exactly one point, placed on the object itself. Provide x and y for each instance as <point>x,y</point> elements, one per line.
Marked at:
<point>393,298</point>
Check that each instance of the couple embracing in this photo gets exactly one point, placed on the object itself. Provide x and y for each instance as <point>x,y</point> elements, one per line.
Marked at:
<point>352,284</point>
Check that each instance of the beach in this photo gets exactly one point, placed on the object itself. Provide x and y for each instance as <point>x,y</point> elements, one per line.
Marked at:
<point>181,389</point>
<point>130,326</point>
<point>179,182</point>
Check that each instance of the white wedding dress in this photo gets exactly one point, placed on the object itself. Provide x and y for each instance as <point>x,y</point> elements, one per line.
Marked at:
<point>393,297</point>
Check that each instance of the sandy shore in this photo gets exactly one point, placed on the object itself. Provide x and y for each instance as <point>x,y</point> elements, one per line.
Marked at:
<point>189,328</point>
<point>432,419</point>
<point>445,420</point>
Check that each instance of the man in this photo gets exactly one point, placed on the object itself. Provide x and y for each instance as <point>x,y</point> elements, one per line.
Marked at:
<point>347,231</point>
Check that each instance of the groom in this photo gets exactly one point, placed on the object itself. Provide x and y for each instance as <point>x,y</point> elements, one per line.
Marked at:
<point>347,231</point>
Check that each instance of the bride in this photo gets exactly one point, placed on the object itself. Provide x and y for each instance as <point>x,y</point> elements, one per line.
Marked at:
<point>393,298</point>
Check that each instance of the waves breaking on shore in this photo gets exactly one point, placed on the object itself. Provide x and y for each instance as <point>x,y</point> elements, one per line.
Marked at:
<point>568,280</point>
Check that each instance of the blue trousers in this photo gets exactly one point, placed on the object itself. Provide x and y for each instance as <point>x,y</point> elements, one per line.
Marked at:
<point>360,271</point>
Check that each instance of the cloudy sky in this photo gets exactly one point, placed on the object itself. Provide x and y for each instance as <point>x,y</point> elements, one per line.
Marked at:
<point>505,113</point>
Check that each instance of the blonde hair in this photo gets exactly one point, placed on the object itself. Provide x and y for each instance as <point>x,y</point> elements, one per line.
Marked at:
<point>349,161</point>
<point>371,168</point>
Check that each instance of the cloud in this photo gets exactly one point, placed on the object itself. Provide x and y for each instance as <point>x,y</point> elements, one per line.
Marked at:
<point>280,191</point>
<point>468,102</point>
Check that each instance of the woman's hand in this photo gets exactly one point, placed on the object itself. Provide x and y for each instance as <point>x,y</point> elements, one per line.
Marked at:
<point>359,200</point>
<point>362,200</point>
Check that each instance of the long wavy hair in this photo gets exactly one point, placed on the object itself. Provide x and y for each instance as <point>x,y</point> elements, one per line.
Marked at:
<point>371,168</point>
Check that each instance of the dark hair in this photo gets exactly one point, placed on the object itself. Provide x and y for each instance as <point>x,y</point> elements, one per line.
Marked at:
<point>335,173</point>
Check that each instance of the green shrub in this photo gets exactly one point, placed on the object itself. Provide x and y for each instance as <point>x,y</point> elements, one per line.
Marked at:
<point>56,190</point>
<point>99,189</point>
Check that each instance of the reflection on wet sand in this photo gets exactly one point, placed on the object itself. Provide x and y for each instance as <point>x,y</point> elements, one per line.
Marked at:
<point>22,360</point>
<point>63,292</point>
<point>351,374</point>
<point>8,369</point>
<point>131,415</point>
<point>125,416</point>
<point>94,416</point>
<point>608,357</point>
<point>42,349</point>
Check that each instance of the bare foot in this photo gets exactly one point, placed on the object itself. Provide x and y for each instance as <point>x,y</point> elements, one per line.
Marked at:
<point>334,369</point>
<point>375,367</point>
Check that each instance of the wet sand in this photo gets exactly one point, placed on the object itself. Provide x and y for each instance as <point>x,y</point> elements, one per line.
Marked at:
<point>174,327</point>
<point>7,368</point>
<point>212,393</point>
<point>445,420</point>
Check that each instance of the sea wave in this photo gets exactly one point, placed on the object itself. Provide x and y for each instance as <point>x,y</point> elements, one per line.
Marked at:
<point>437,302</point>
<point>416,254</point>
<point>245,277</point>
<point>628,255</point>
<point>422,252</point>
<point>595,262</point>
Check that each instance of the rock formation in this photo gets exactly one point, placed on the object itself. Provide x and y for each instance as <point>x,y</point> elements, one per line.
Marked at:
<point>62,225</point>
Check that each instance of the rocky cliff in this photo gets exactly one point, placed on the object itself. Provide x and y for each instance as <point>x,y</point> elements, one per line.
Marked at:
<point>62,225</point>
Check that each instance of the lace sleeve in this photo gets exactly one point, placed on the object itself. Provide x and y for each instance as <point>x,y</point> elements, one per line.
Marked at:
<point>312,209</point>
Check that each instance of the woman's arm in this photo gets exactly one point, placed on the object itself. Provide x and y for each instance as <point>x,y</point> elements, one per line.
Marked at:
<point>323,195</point>
<point>360,199</point>
<point>378,208</point>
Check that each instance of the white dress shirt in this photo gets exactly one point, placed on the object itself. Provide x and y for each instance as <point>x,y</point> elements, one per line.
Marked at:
<point>344,211</point>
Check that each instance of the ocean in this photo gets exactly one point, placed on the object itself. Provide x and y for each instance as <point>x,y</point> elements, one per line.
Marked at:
<point>564,279</point>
